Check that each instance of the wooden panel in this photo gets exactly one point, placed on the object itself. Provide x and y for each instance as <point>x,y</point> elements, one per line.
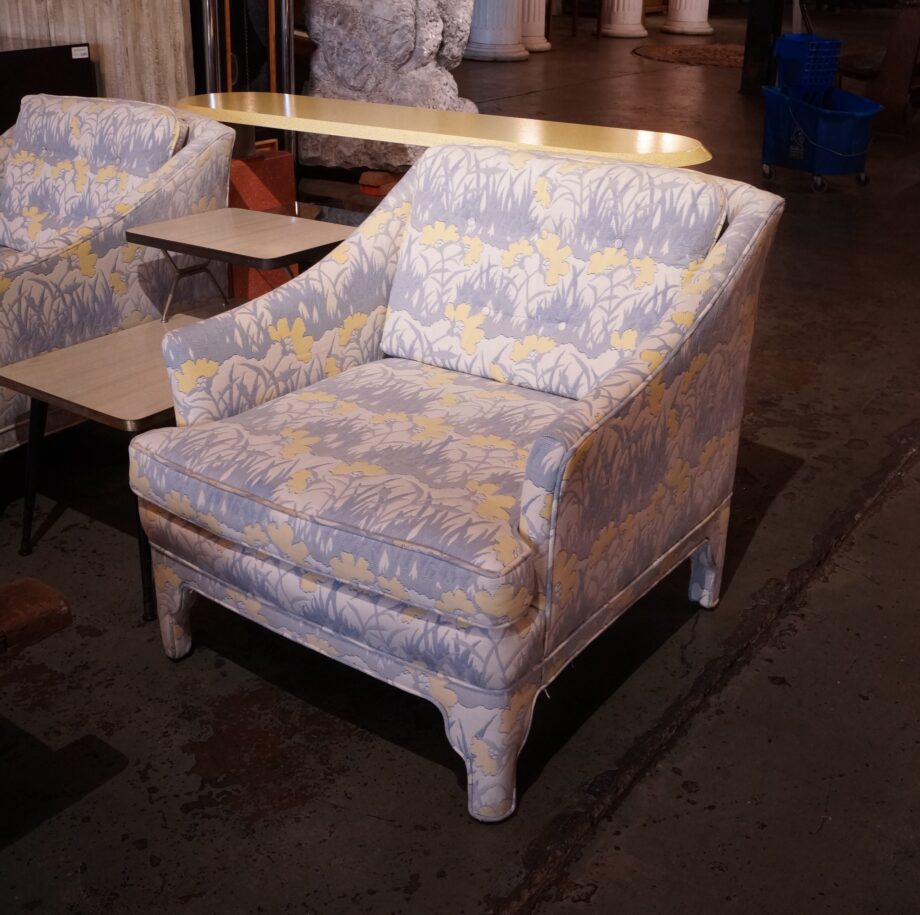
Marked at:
<point>143,49</point>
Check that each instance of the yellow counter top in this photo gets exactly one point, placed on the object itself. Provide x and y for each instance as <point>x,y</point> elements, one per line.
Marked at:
<point>427,127</point>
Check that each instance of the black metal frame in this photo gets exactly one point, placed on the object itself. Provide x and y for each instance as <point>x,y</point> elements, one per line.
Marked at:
<point>38,414</point>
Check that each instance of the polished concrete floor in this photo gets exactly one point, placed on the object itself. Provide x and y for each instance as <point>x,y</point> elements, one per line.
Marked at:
<point>758,758</point>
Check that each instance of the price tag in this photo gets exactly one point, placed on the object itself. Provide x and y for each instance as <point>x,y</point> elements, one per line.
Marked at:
<point>80,52</point>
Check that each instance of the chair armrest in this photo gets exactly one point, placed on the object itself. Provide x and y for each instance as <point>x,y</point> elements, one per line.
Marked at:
<point>328,319</point>
<point>634,466</point>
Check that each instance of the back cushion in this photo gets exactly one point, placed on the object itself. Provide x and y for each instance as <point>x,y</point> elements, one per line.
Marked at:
<point>545,271</point>
<point>74,158</point>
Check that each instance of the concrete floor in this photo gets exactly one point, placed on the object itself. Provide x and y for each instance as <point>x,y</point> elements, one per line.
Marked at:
<point>758,758</point>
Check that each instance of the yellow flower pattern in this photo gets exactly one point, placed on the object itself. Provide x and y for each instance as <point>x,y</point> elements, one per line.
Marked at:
<point>439,233</point>
<point>520,248</point>
<point>531,345</point>
<point>469,324</point>
<point>293,337</point>
<point>193,373</point>
<point>555,256</point>
<point>608,259</point>
<point>350,326</point>
<point>347,568</point>
<point>489,502</point>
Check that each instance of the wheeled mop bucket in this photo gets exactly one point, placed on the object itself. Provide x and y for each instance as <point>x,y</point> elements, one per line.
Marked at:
<point>821,131</point>
<point>809,125</point>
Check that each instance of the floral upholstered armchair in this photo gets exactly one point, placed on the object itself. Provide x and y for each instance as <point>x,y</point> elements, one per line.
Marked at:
<point>74,174</point>
<point>455,450</point>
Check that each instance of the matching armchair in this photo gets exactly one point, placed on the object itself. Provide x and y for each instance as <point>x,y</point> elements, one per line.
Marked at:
<point>455,450</point>
<point>75,173</point>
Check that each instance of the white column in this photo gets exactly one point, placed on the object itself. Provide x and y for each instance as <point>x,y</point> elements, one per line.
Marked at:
<point>534,26</point>
<point>496,31</point>
<point>622,19</point>
<point>687,17</point>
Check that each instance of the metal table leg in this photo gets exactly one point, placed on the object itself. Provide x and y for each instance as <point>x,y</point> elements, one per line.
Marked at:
<point>147,589</point>
<point>38,413</point>
<point>180,272</point>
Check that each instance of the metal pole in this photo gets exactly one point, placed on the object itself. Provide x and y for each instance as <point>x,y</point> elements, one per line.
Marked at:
<point>287,58</point>
<point>211,45</point>
<point>287,46</point>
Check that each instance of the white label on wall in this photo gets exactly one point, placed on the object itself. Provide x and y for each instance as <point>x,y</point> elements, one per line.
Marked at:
<point>81,52</point>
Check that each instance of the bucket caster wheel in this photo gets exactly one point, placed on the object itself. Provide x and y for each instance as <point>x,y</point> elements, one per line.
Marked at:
<point>818,184</point>
<point>862,179</point>
<point>769,173</point>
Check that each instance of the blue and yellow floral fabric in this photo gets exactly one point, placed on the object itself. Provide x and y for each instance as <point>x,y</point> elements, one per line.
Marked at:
<point>72,159</point>
<point>328,321</point>
<point>458,529</point>
<point>400,478</point>
<point>85,280</point>
<point>273,591</point>
<point>545,271</point>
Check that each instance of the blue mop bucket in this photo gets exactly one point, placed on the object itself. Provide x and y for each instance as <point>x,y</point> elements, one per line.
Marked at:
<point>805,61</point>
<point>825,132</point>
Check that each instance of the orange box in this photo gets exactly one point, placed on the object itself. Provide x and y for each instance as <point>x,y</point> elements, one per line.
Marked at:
<point>262,182</point>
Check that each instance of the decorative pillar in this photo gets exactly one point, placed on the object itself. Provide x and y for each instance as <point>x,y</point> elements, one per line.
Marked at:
<point>534,26</point>
<point>622,19</point>
<point>496,32</point>
<point>687,17</point>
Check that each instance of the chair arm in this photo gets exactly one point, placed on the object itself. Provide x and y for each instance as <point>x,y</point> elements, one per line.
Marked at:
<point>638,462</point>
<point>328,319</point>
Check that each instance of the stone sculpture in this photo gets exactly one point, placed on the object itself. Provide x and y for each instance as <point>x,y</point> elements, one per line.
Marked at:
<point>398,52</point>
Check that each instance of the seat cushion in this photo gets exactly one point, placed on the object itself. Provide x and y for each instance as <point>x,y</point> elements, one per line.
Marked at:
<point>271,592</point>
<point>546,271</point>
<point>399,478</point>
<point>74,159</point>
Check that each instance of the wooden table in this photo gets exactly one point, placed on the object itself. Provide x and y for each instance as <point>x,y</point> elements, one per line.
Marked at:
<point>428,127</point>
<point>118,380</point>
<point>249,238</point>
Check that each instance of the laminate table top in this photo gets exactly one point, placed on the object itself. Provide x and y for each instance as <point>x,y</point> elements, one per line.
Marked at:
<point>429,127</point>
<point>118,380</point>
<point>249,238</point>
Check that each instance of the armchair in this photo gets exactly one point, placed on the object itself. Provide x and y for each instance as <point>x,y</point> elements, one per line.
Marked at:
<point>74,174</point>
<point>458,448</point>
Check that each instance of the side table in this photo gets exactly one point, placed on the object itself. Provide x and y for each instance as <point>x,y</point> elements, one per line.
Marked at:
<point>248,238</point>
<point>118,380</point>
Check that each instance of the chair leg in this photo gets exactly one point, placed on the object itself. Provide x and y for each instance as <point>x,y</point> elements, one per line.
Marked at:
<point>174,601</point>
<point>707,560</point>
<point>490,740</point>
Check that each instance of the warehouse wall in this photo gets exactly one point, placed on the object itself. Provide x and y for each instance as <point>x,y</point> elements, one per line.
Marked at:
<point>142,48</point>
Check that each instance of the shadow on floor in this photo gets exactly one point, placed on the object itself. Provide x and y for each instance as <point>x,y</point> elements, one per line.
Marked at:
<point>39,783</point>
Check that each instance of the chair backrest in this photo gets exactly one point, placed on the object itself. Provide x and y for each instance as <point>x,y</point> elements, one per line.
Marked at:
<point>545,271</point>
<point>75,158</point>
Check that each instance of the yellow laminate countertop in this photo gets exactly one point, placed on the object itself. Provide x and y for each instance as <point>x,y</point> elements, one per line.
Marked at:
<point>428,127</point>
